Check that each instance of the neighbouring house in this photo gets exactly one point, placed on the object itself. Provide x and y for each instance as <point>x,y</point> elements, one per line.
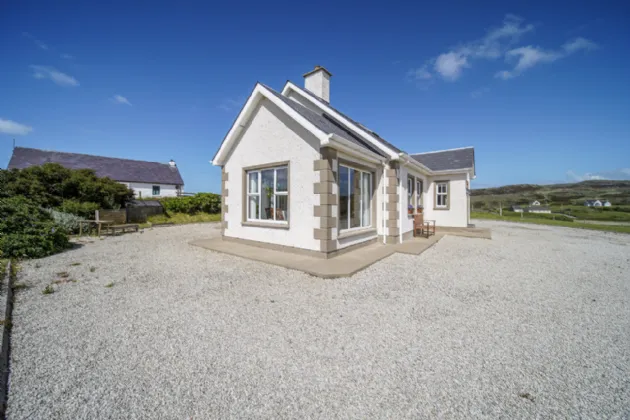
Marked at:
<point>537,209</point>
<point>597,203</point>
<point>147,179</point>
<point>299,174</point>
<point>516,208</point>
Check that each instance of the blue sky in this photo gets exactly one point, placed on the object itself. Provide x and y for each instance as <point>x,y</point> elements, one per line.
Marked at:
<point>541,91</point>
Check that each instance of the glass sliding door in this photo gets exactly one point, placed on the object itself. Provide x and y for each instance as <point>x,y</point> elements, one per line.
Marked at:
<point>355,198</point>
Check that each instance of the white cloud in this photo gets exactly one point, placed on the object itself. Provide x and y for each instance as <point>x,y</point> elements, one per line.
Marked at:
<point>67,56</point>
<point>579,44</point>
<point>615,174</point>
<point>119,99</point>
<point>419,74</point>
<point>37,42</point>
<point>62,79</point>
<point>451,64</point>
<point>14,128</point>
<point>530,56</point>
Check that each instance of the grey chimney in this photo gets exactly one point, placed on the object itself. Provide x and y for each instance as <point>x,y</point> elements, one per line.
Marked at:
<point>317,82</point>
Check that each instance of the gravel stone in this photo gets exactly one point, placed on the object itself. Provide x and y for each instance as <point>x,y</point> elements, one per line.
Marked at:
<point>534,323</point>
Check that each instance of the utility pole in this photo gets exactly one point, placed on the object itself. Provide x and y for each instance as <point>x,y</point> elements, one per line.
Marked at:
<point>500,209</point>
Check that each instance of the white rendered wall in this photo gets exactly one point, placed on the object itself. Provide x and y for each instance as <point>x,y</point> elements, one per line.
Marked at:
<point>144,190</point>
<point>271,136</point>
<point>457,214</point>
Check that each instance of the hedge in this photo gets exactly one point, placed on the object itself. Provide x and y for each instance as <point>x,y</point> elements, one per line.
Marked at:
<point>28,231</point>
<point>198,203</point>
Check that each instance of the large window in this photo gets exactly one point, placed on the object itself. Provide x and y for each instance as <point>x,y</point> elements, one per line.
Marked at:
<point>441,195</point>
<point>355,198</point>
<point>268,194</point>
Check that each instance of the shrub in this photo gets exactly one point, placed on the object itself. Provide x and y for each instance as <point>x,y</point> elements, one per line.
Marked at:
<point>84,209</point>
<point>50,184</point>
<point>27,231</point>
<point>69,222</point>
<point>198,203</point>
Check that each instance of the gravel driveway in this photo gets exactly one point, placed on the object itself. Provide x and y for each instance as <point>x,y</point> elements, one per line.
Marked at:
<point>533,323</point>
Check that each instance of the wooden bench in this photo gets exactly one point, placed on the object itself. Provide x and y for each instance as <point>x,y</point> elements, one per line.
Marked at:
<point>122,228</point>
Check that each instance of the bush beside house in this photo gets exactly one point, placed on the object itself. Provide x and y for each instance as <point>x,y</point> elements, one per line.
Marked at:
<point>28,231</point>
<point>41,205</point>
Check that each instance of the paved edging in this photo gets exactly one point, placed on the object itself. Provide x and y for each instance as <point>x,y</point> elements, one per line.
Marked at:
<point>5,353</point>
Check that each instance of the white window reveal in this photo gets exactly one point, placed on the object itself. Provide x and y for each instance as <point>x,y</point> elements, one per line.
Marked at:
<point>268,194</point>
<point>355,198</point>
<point>441,195</point>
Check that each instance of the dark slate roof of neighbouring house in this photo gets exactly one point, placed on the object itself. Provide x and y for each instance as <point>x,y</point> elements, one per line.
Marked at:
<point>124,170</point>
<point>325,122</point>
<point>447,159</point>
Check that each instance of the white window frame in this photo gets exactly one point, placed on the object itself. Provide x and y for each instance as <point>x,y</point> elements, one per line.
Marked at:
<point>419,191</point>
<point>362,172</point>
<point>159,190</point>
<point>438,193</point>
<point>259,194</point>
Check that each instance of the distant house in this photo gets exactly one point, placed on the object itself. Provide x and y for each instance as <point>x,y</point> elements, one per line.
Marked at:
<point>147,179</point>
<point>535,203</point>
<point>538,209</point>
<point>597,203</point>
<point>517,209</point>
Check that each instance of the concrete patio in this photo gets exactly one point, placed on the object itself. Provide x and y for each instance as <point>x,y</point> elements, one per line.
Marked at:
<point>344,265</point>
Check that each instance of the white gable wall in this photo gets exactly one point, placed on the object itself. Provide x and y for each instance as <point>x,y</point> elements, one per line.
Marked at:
<point>271,136</point>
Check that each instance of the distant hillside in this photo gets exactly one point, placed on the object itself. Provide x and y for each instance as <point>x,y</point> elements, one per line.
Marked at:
<point>617,192</point>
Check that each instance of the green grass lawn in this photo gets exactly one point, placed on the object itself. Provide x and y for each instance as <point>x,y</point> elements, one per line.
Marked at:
<point>182,218</point>
<point>594,213</point>
<point>493,216</point>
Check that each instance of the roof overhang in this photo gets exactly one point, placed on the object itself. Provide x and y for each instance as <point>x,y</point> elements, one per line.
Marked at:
<point>291,87</point>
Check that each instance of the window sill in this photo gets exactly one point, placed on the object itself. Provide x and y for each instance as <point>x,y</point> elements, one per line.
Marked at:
<point>441,208</point>
<point>358,232</point>
<point>269,225</point>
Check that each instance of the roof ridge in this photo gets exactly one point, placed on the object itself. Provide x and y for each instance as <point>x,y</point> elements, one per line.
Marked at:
<point>445,150</point>
<point>87,154</point>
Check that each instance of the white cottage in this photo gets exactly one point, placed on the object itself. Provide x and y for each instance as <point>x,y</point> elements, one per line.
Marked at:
<point>300,175</point>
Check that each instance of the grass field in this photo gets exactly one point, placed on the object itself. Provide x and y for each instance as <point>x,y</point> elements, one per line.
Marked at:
<point>183,218</point>
<point>510,218</point>
<point>595,213</point>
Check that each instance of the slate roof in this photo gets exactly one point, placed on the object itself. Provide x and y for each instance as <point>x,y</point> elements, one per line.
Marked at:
<point>379,138</point>
<point>123,170</point>
<point>447,159</point>
<point>325,122</point>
